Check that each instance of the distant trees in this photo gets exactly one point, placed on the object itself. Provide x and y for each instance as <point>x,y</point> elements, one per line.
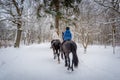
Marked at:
<point>85,24</point>
<point>112,15</point>
<point>91,21</point>
<point>6,35</point>
<point>14,9</point>
<point>113,5</point>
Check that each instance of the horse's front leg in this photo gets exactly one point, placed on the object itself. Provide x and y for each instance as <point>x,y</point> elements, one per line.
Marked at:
<point>72,66</point>
<point>58,54</point>
<point>61,53</point>
<point>54,54</point>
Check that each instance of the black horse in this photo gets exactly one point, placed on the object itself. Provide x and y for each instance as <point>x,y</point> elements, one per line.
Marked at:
<point>70,47</point>
<point>55,44</point>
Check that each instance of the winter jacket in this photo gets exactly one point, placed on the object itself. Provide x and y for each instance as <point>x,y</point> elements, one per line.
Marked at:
<point>67,35</point>
<point>55,35</point>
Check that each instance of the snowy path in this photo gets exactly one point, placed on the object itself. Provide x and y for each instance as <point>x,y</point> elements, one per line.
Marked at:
<point>36,63</point>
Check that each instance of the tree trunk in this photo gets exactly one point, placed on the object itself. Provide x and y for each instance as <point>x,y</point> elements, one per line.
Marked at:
<point>19,31</point>
<point>57,24</point>
<point>113,36</point>
<point>113,25</point>
<point>57,15</point>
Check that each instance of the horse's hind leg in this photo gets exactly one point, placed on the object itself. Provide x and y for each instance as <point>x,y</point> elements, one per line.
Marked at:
<point>62,56</point>
<point>68,60</point>
<point>66,64</point>
<point>72,66</point>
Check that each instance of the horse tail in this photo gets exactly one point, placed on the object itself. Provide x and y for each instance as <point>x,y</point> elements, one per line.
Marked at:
<point>75,59</point>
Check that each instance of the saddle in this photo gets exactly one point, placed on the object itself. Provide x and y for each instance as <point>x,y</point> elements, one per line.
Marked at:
<point>65,41</point>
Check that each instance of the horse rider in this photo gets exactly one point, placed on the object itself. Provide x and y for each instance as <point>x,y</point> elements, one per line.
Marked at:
<point>54,37</point>
<point>67,35</point>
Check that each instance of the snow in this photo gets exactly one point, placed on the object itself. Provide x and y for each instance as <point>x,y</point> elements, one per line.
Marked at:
<point>36,62</point>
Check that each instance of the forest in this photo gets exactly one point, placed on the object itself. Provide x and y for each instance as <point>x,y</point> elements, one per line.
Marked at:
<point>92,22</point>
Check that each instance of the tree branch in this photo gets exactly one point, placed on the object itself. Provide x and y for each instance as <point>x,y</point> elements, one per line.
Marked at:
<point>102,4</point>
<point>16,6</point>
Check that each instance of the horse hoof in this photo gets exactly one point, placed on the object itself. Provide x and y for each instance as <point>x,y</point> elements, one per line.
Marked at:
<point>67,68</point>
<point>65,65</point>
<point>71,69</point>
<point>54,57</point>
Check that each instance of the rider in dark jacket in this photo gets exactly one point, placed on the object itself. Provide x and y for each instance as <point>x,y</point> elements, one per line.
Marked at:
<point>67,34</point>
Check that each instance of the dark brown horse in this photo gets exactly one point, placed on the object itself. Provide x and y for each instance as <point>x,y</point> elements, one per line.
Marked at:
<point>55,44</point>
<point>70,47</point>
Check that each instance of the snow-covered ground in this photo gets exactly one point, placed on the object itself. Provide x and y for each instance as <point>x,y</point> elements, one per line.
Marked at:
<point>36,62</point>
